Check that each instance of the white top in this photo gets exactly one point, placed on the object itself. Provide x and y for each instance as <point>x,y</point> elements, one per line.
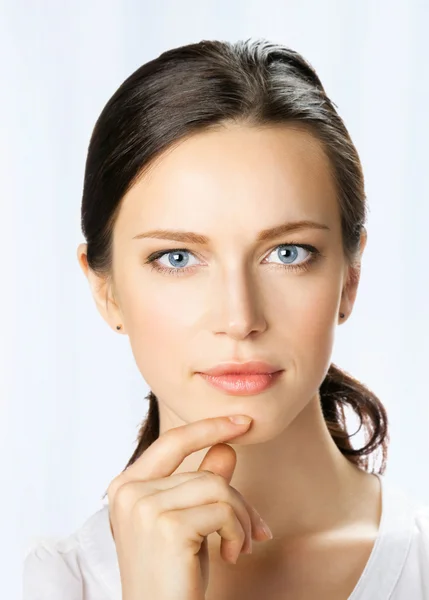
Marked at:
<point>84,565</point>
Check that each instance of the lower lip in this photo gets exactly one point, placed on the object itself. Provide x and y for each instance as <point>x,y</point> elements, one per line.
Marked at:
<point>242,385</point>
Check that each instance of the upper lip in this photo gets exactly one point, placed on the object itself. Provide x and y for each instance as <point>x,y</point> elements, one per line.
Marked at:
<point>253,366</point>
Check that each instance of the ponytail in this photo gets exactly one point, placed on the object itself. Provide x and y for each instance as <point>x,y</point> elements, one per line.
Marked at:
<point>339,390</point>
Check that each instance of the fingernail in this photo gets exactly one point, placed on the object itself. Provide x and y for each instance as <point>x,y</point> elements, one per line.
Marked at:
<point>266,529</point>
<point>240,419</point>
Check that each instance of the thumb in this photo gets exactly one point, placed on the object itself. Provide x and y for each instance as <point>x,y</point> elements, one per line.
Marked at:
<point>220,459</point>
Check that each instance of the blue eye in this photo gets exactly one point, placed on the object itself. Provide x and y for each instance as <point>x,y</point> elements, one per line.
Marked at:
<point>176,258</point>
<point>286,252</point>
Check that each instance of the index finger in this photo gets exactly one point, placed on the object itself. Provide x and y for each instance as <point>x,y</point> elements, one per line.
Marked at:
<point>166,453</point>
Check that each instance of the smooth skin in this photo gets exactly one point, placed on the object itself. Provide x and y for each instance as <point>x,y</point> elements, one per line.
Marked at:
<point>159,518</point>
<point>237,300</point>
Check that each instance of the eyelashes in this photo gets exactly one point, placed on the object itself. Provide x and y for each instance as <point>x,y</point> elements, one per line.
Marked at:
<point>313,255</point>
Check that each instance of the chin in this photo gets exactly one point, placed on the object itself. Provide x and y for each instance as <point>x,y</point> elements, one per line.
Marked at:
<point>260,432</point>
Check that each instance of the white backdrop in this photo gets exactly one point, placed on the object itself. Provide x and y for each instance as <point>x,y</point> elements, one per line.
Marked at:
<point>71,395</point>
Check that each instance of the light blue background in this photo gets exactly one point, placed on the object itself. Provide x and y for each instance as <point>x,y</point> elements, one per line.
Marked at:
<point>71,395</point>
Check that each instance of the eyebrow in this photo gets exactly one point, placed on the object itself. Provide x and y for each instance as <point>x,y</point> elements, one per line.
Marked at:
<point>189,237</point>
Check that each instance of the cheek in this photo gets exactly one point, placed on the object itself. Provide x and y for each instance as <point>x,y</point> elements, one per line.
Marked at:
<point>156,325</point>
<point>311,332</point>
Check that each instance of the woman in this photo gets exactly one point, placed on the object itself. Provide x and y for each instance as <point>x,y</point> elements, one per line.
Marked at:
<point>224,216</point>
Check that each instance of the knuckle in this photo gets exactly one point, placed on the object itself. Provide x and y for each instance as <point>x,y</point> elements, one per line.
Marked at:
<point>113,487</point>
<point>227,510</point>
<point>223,489</point>
<point>169,525</point>
<point>124,497</point>
<point>218,482</point>
<point>145,509</point>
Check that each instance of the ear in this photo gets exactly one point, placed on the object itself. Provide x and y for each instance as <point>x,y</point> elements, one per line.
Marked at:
<point>352,277</point>
<point>102,292</point>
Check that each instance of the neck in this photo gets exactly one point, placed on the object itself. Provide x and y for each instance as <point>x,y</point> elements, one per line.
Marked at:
<point>299,481</point>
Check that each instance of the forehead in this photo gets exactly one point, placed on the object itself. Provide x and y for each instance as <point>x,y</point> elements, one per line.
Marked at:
<point>259,174</point>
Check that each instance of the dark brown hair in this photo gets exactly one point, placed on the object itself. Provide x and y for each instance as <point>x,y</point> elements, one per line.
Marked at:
<point>199,87</point>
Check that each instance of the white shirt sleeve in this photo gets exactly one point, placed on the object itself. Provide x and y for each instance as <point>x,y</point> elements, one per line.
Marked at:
<point>51,572</point>
<point>412,579</point>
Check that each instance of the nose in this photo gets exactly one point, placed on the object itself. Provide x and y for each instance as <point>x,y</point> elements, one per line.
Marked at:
<point>240,307</point>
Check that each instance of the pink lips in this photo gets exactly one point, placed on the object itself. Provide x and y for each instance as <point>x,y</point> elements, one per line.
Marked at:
<point>252,366</point>
<point>242,379</point>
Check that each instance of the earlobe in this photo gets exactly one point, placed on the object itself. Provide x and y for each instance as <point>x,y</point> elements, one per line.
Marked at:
<point>82,259</point>
<point>352,278</point>
<point>100,290</point>
<point>363,240</point>
<point>106,306</point>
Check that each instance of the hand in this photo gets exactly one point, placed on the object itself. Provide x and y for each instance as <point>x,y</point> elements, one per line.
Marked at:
<point>160,522</point>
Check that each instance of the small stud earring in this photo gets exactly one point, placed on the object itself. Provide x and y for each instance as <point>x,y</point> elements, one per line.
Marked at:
<point>342,315</point>
<point>118,326</point>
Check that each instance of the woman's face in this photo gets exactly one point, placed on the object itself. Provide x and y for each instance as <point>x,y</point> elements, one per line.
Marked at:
<point>233,298</point>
